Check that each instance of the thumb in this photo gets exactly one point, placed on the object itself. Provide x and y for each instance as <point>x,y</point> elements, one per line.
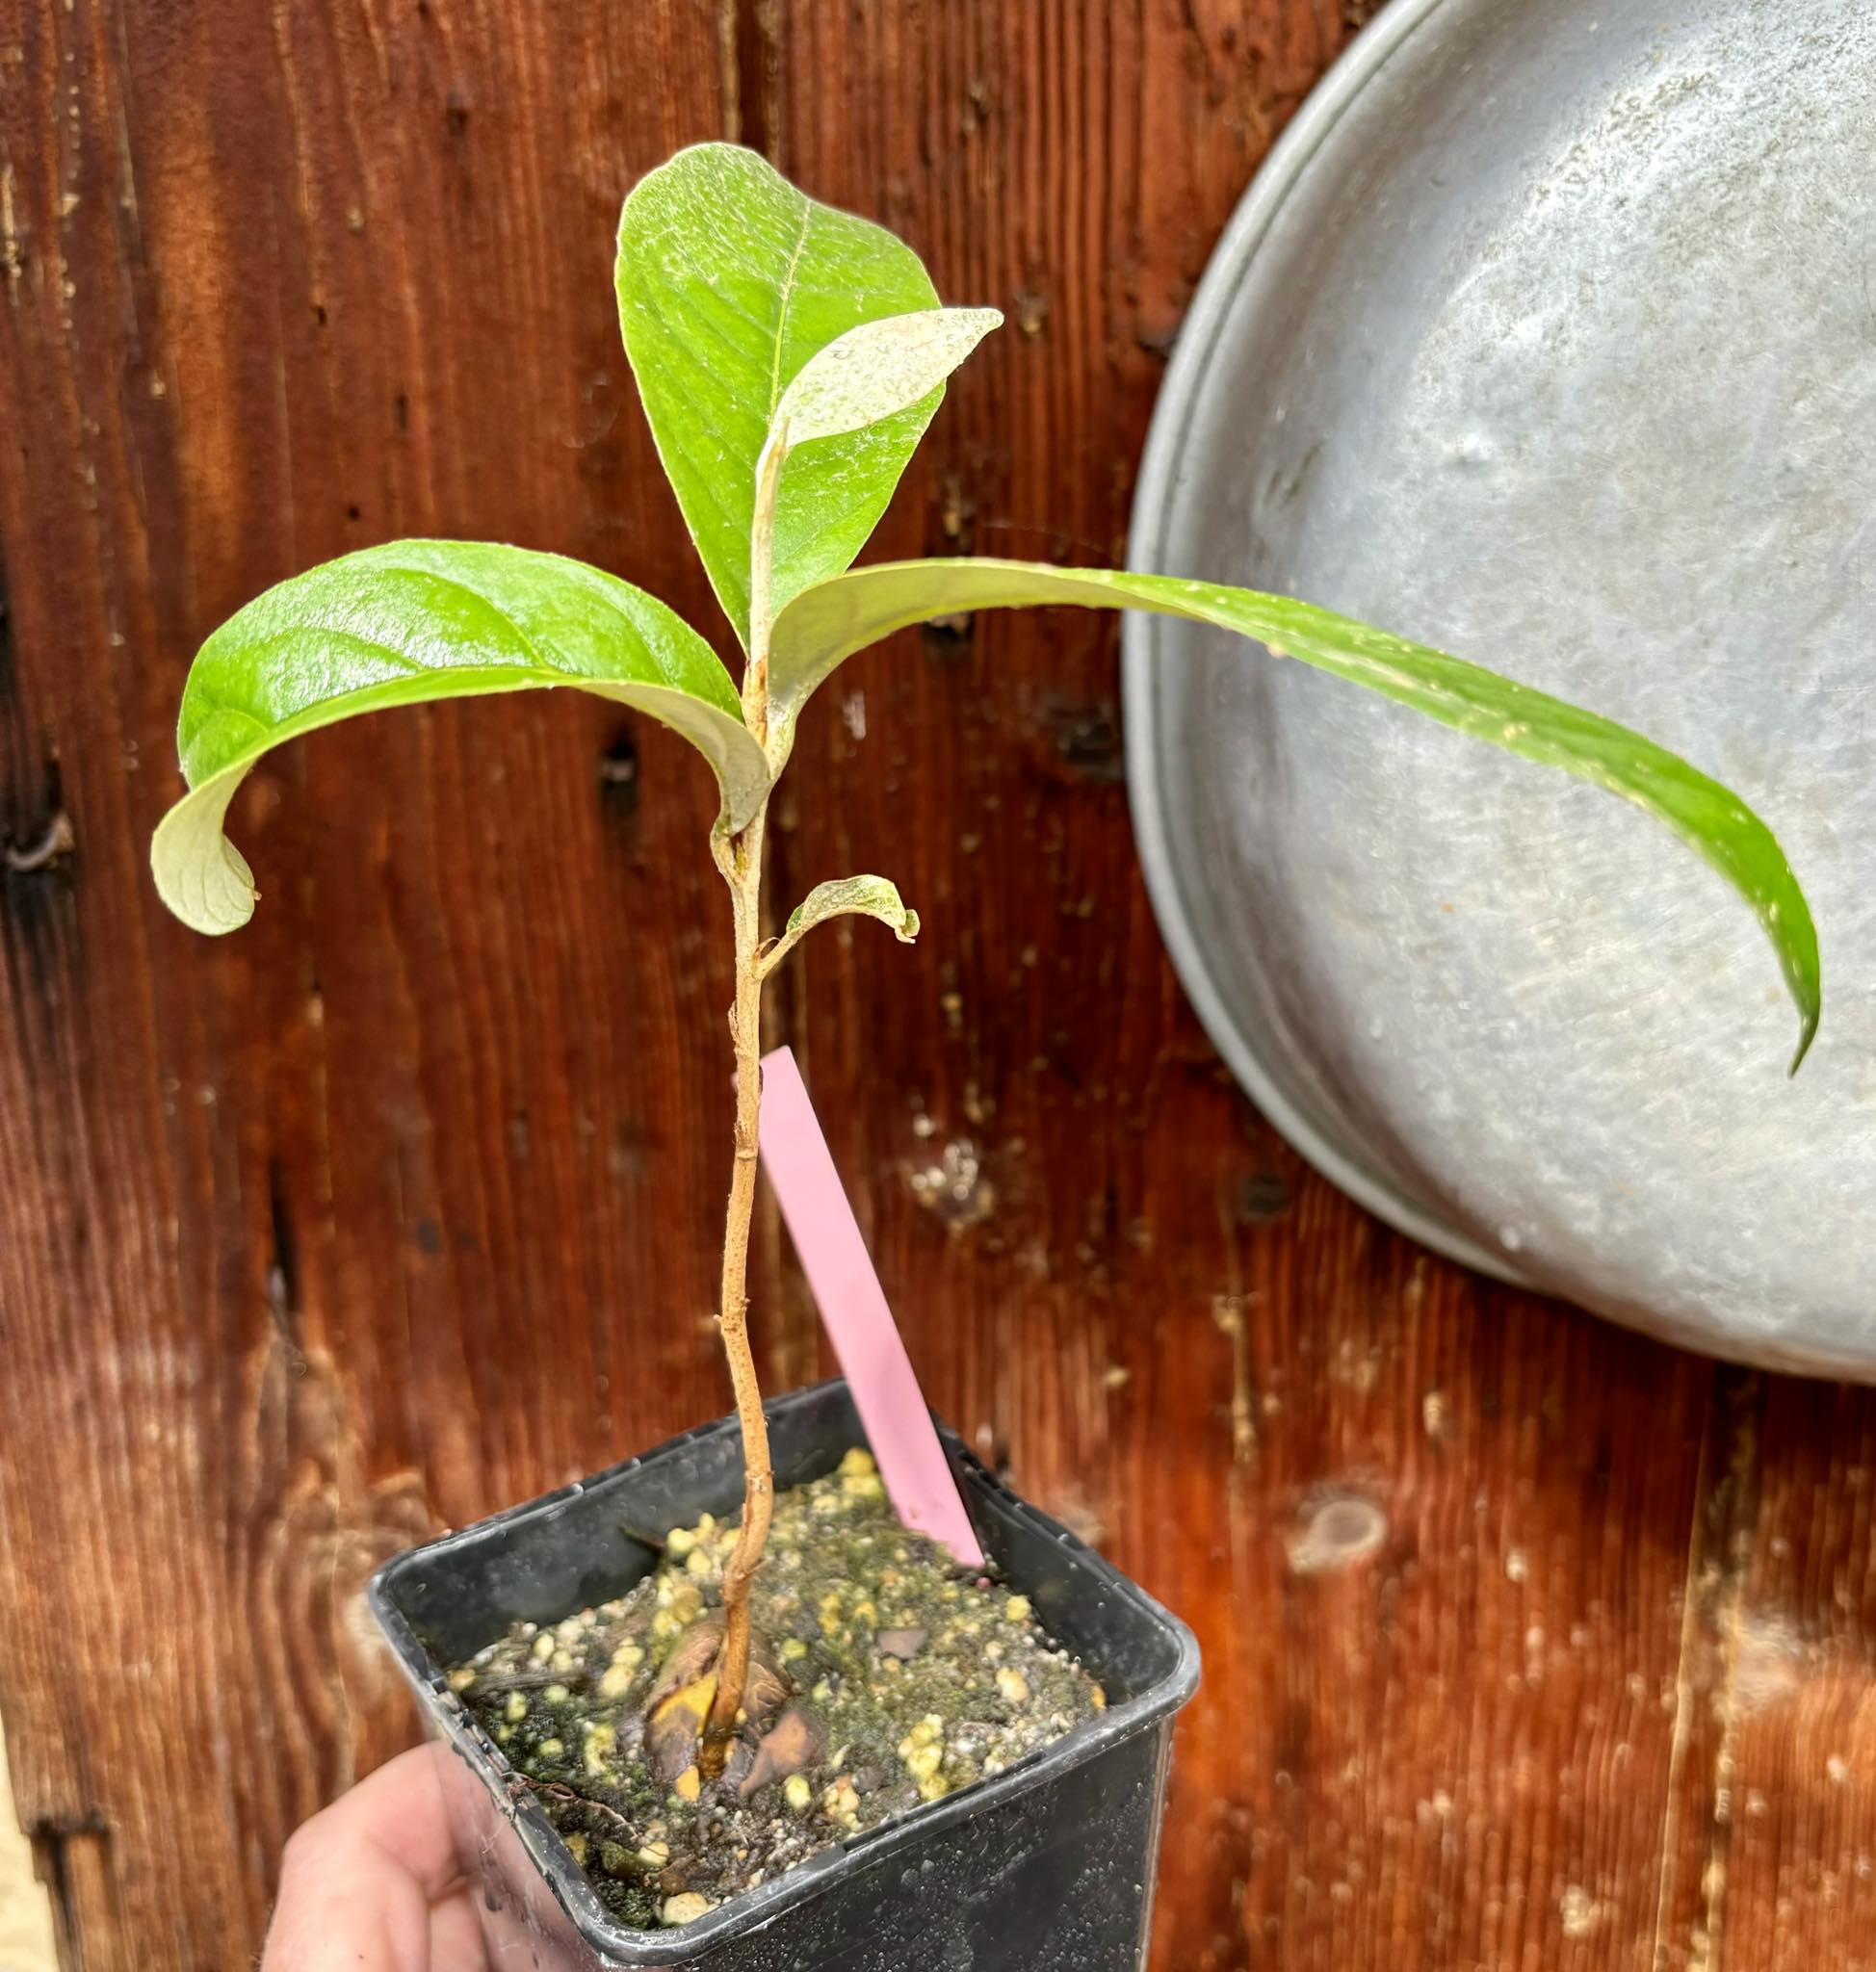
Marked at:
<point>361,1883</point>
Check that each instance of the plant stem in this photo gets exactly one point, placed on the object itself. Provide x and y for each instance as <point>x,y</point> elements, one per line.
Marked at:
<point>742,871</point>
<point>740,861</point>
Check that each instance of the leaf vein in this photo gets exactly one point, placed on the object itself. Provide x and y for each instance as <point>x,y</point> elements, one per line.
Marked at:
<point>784,299</point>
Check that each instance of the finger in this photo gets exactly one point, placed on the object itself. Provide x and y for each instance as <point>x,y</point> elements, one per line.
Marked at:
<point>401,1808</point>
<point>456,1934</point>
<point>358,1880</point>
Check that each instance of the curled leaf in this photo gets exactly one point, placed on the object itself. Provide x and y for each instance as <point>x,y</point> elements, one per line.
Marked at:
<point>845,896</point>
<point>408,624</point>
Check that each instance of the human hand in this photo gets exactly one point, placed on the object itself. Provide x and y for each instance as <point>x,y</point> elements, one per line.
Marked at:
<point>371,1885</point>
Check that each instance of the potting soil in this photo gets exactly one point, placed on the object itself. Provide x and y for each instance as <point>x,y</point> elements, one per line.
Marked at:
<point>885,1677</point>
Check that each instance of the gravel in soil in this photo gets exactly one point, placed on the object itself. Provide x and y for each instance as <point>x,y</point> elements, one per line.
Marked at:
<point>884,1676</point>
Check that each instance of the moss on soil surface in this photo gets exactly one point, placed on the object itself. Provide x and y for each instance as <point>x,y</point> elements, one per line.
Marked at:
<point>908,1679</point>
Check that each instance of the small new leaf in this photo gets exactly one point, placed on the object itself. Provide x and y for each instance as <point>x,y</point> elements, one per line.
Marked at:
<point>845,896</point>
<point>877,369</point>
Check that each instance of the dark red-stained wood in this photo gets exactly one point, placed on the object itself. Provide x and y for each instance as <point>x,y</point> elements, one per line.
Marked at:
<point>1528,1643</point>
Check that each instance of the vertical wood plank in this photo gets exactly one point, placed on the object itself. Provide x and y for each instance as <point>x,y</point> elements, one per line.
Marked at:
<point>1777,1861</point>
<point>325,1236</point>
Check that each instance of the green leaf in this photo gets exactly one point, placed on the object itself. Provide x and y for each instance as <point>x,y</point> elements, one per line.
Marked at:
<point>845,896</point>
<point>405,624</point>
<point>878,369</point>
<point>829,623</point>
<point>729,281</point>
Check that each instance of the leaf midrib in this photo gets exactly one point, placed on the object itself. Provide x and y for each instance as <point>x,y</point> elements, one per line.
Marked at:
<point>787,297</point>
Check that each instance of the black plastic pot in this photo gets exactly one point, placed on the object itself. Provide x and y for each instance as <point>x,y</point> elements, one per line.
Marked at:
<point>1047,1867</point>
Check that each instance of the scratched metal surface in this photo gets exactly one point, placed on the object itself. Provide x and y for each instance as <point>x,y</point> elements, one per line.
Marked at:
<point>1546,335</point>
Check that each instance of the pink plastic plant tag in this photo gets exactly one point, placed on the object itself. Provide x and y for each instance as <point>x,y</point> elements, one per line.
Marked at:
<point>852,1304</point>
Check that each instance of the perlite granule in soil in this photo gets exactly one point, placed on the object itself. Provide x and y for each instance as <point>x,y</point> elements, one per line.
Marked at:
<point>883,1676</point>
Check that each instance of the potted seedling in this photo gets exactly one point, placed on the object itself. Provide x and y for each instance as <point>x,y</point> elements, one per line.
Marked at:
<point>854,1751</point>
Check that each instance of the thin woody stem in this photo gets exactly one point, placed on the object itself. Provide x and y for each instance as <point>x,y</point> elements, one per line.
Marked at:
<point>743,872</point>
<point>741,862</point>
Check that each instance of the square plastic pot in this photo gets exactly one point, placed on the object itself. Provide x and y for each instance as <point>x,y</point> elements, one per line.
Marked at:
<point>1047,1867</point>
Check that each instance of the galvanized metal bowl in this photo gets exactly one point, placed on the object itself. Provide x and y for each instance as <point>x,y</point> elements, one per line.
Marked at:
<point>1546,335</point>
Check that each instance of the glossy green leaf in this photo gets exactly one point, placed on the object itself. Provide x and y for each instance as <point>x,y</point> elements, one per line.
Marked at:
<point>829,623</point>
<point>405,624</point>
<point>845,896</point>
<point>729,281</point>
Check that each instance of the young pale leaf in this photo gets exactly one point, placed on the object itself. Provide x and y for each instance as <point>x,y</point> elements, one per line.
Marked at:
<point>729,281</point>
<point>829,623</point>
<point>405,624</point>
<point>878,369</point>
<point>845,896</point>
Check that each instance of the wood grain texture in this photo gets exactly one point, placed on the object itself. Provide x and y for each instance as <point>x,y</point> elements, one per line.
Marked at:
<point>1528,1643</point>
